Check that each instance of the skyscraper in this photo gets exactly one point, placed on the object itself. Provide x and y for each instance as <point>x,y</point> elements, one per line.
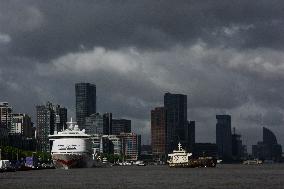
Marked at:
<point>48,121</point>
<point>191,135</point>
<point>85,102</point>
<point>107,123</point>
<point>5,116</point>
<point>176,118</point>
<point>158,133</point>
<point>237,146</point>
<point>5,122</point>
<point>224,136</point>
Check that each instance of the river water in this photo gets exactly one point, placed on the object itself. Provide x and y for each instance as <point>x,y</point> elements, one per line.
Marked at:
<point>223,176</point>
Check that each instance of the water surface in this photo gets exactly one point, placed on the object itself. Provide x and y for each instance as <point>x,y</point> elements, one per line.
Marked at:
<point>223,176</point>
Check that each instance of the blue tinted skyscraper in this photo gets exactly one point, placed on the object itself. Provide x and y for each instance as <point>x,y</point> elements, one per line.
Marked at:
<point>224,136</point>
<point>176,120</point>
<point>85,102</point>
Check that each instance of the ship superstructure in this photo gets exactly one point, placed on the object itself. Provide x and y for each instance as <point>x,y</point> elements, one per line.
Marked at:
<point>71,148</point>
<point>180,158</point>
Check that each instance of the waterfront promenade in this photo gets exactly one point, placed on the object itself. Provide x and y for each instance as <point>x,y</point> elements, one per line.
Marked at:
<point>224,176</point>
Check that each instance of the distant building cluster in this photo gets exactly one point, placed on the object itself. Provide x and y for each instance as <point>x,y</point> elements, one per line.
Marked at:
<point>169,126</point>
<point>268,148</point>
<point>16,129</point>
<point>109,135</point>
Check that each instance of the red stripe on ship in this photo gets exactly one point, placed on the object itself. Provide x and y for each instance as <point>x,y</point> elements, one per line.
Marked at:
<point>70,162</point>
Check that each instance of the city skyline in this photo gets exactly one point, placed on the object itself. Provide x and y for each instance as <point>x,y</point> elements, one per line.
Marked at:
<point>227,57</point>
<point>166,95</point>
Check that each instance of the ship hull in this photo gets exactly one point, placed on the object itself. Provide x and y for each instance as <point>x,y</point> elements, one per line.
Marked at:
<point>69,161</point>
<point>193,163</point>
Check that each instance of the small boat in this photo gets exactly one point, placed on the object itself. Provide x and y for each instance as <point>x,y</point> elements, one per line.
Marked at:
<point>5,166</point>
<point>252,162</point>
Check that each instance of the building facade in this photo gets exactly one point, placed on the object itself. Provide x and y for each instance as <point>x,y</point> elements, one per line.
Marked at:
<point>6,116</point>
<point>48,121</point>
<point>121,126</point>
<point>107,123</point>
<point>224,137</point>
<point>22,124</point>
<point>158,133</point>
<point>131,146</point>
<point>85,102</point>
<point>176,118</point>
<point>94,124</point>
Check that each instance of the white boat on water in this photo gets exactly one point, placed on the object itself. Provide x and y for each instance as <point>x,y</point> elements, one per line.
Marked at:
<point>71,148</point>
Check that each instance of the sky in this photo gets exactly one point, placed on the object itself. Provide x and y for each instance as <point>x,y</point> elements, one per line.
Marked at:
<point>226,56</point>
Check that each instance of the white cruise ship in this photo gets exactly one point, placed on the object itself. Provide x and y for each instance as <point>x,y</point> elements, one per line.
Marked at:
<point>71,148</point>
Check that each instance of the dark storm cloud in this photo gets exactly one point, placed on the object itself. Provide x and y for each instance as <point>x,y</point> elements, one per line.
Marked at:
<point>227,56</point>
<point>44,29</point>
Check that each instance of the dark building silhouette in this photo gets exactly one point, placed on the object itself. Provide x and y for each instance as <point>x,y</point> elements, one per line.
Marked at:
<point>191,135</point>
<point>62,112</point>
<point>85,102</point>
<point>268,149</point>
<point>158,133</point>
<point>176,118</point>
<point>224,137</point>
<point>121,126</point>
<point>238,149</point>
<point>107,123</point>
<point>205,150</point>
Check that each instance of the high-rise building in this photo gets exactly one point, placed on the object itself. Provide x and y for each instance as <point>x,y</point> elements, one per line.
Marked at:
<point>158,133</point>
<point>85,102</point>
<point>5,115</point>
<point>237,146</point>
<point>5,122</point>
<point>224,137</point>
<point>48,121</point>
<point>176,118</point>
<point>22,124</point>
<point>94,124</point>
<point>131,145</point>
<point>268,149</point>
<point>191,135</point>
<point>121,126</point>
<point>62,112</point>
<point>107,123</point>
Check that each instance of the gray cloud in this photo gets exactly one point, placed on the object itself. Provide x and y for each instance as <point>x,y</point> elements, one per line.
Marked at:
<point>226,56</point>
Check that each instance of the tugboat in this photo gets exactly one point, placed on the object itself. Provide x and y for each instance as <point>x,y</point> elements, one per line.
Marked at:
<point>180,158</point>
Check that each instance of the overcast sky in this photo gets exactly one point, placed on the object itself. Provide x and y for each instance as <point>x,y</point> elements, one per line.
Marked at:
<point>227,56</point>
